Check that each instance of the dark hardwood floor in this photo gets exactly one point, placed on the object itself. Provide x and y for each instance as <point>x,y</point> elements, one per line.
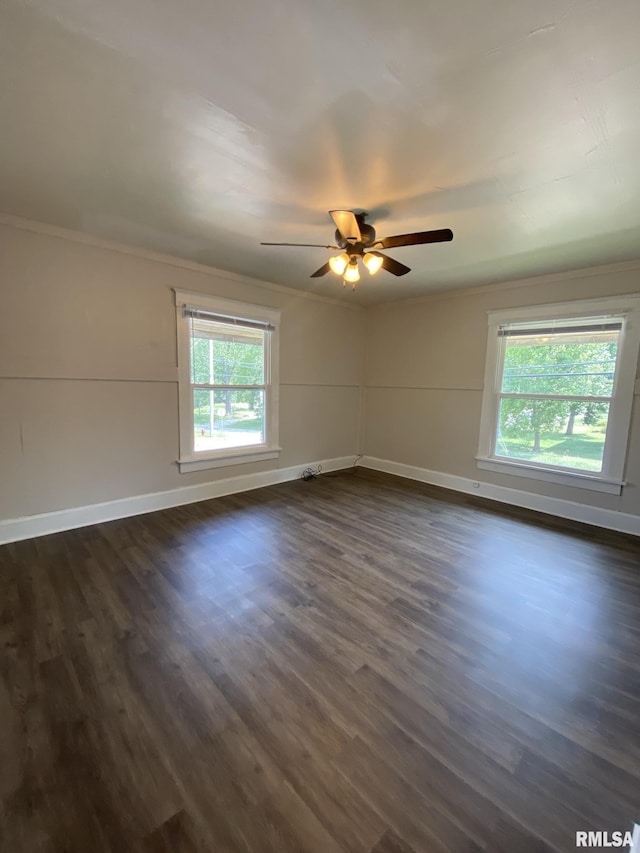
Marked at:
<point>358,663</point>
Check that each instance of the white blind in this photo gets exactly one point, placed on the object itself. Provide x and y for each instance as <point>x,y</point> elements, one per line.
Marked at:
<point>200,314</point>
<point>580,325</point>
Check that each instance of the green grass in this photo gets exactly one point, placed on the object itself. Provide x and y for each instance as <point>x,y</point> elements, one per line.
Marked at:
<point>247,423</point>
<point>581,450</point>
<point>235,422</point>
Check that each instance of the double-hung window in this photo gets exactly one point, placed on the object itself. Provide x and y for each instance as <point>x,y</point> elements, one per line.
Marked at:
<point>228,381</point>
<point>558,394</point>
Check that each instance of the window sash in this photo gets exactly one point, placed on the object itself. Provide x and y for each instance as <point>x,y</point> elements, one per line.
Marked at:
<point>219,320</point>
<point>498,395</point>
<point>555,334</point>
<point>221,329</point>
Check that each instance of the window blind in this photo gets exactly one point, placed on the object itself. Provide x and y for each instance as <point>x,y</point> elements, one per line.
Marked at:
<point>530,331</point>
<point>200,314</point>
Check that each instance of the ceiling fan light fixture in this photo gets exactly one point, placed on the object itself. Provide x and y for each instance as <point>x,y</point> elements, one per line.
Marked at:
<point>372,262</point>
<point>352,273</point>
<point>338,263</point>
<point>354,239</point>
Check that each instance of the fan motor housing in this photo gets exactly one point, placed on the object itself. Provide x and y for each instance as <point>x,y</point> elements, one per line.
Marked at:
<point>367,233</point>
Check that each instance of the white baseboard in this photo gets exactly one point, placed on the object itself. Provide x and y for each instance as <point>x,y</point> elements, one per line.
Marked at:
<point>609,518</point>
<point>14,529</point>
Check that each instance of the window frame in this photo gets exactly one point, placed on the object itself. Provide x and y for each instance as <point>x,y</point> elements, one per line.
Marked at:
<point>189,459</point>
<point>611,478</point>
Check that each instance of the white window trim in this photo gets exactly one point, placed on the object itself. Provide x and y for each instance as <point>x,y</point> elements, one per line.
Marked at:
<point>611,479</point>
<point>188,459</point>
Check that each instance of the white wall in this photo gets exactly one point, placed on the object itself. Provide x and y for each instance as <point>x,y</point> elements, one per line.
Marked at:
<point>88,381</point>
<point>424,379</point>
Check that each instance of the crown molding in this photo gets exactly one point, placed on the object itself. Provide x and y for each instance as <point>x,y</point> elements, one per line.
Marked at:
<point>515,284</point>
<point>72,236</point>
<point>80,237</point>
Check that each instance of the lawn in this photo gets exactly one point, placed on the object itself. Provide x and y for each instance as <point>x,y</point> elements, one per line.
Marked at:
<point>582,450</point>
<point>244,424</point>
<point>223,424</point>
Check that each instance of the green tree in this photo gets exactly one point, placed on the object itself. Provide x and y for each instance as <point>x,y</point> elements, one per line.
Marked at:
<point>593,412</point>
<point>521,417</point>
<point>231,360</point>
<point>581,369</point>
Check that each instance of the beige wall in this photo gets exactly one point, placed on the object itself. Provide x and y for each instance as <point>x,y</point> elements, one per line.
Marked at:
<point>88,391</point>
<point>424,379</point>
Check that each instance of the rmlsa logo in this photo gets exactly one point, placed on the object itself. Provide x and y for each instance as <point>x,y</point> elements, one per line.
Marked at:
<point>604,839</point>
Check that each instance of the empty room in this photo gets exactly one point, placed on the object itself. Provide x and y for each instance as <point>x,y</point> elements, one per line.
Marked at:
<point>319,426</point>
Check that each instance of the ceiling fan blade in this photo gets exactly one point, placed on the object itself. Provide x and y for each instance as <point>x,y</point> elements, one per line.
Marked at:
<point>443,235</point>
<point>310,245</point>
<point>392,266</point>
<point>324,269</point>
<point>347,225</point>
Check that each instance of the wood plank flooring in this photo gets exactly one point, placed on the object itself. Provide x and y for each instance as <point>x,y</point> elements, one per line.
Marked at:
<point>359,663</point>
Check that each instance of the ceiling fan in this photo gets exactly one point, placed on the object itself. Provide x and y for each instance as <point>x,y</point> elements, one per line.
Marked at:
<point>357,240</point>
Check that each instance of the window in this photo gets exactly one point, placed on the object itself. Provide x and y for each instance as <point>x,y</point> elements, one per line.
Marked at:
<point>558,393</point>
<point>228,389</point>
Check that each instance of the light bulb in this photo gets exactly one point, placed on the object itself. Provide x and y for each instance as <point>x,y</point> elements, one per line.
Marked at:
<point>352,273</point>
<point>339,263</point>
<point>372,262</point>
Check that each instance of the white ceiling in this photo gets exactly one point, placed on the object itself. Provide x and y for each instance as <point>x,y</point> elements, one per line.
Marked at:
<point>199,128</point>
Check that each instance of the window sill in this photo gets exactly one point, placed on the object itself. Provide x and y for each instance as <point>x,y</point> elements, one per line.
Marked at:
<point>594,482</point>
<point>227,458</point>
